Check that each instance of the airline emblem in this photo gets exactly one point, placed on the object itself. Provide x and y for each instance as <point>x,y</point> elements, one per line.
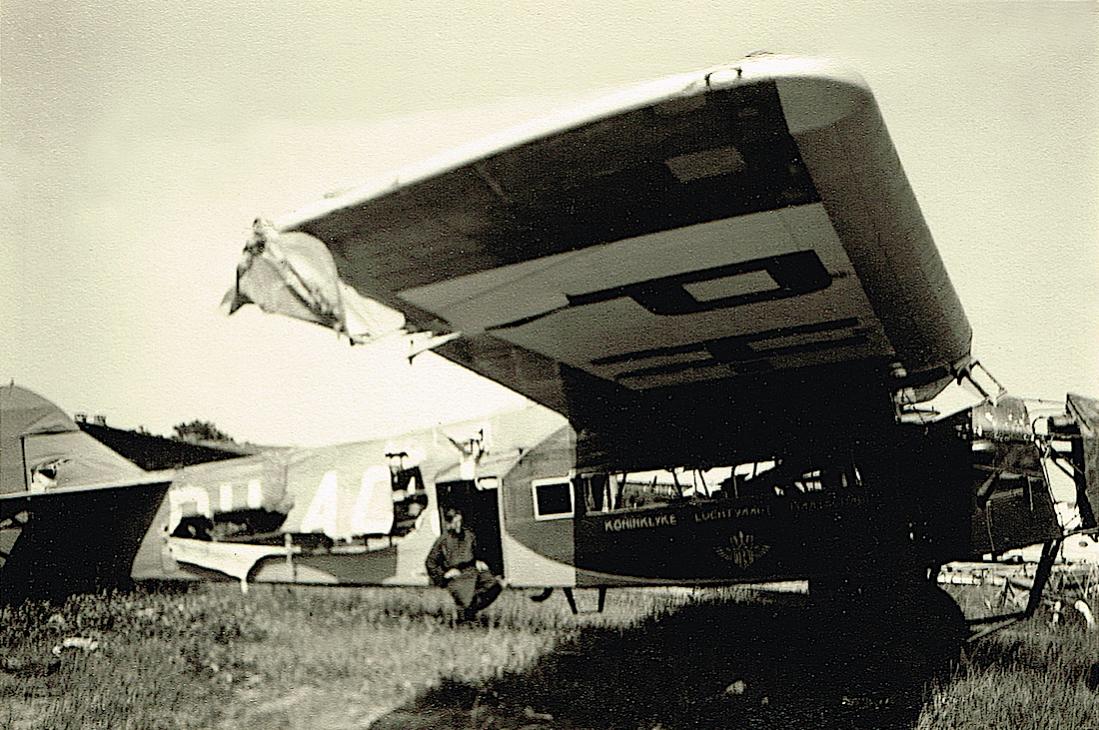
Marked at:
<point>742,550</point>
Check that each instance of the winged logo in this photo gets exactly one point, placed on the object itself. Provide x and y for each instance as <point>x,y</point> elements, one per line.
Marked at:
<point>742,550</point>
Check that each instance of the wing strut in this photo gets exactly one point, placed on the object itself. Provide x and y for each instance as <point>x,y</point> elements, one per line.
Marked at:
<point>966,373</point>
<point>1034,599</point>
<point>572,600</point>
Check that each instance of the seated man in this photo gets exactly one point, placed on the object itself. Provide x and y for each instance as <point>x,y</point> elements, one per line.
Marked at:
<point>453,564</point>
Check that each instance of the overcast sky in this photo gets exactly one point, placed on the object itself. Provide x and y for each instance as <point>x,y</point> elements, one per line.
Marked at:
<point>138,144</point>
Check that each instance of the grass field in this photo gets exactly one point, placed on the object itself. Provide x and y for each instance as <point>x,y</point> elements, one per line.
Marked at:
<point>281,657</point>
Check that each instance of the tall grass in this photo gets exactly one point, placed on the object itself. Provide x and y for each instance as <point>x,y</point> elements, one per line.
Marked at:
<point>1028,677</point>
<point>291,657</point>
<point>281,657</point>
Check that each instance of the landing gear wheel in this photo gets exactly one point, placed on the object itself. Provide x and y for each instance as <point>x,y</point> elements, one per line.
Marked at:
<point>895,631</point>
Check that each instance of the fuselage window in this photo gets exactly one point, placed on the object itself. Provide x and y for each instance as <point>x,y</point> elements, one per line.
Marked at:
<point>612,492</point>
<point>811,481</point>
<point>646,489</point>
<point>603,492</point>
<point>553,498</point>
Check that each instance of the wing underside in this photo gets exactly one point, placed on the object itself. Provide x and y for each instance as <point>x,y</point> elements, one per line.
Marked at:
<point>725,244</point>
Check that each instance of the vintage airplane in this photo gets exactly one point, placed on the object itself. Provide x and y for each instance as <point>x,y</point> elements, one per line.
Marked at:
<point>723,282</point>
<point>354,514</point>
<point>351,514</point>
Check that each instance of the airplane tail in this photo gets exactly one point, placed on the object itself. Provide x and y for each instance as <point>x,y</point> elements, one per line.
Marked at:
<point>75,540</point>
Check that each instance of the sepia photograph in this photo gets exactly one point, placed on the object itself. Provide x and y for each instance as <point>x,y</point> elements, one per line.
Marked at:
<point>549,365</point>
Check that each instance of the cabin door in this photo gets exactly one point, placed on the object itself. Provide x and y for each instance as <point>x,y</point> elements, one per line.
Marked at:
<point>479,511</point>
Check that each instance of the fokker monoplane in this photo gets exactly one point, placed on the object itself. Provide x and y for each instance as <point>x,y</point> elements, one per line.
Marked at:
<point>724,283</point>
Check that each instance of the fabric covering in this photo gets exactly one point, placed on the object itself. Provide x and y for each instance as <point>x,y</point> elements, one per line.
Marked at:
<point>34,429</point>
<point>340,491</point>
<point>294,275</point>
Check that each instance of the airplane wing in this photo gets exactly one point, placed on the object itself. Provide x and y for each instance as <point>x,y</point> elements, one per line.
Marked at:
<point>737,246</point>
<point>294,275</point>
